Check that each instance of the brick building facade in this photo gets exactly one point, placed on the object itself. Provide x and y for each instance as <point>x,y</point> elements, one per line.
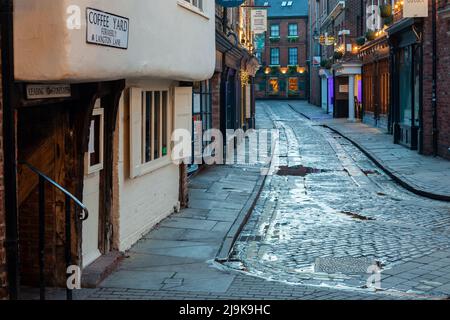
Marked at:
<point>335,26</point>
<point>284,72</point>
<point>442,131</point>
<point>397,68</point>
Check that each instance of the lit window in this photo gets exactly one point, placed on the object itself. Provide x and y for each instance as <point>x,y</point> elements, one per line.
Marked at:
<point>283,4</point>
<point>293,56</point>
<point>293,30</point>
<point>275,56</point>
<point>274,87</point>
<point>275,30</point>
<point>293,84</point>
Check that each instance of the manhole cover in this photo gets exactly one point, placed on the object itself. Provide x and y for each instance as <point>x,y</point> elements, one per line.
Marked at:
<point>344,265</point>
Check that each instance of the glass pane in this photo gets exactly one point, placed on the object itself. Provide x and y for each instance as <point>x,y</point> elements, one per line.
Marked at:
<point>94,141</point>
<point>274,85</point>
<point>157,126</point>
<point>417,88</point>
<point>148,126</point>
<point>164,123</point>
<point>293,84</point>
<point>405,86</point>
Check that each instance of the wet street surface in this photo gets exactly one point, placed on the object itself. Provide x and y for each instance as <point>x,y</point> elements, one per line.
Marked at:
<point>331,218</point>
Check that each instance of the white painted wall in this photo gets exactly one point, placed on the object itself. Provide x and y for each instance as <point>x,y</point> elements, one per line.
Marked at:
<point>147,199</point>
<point>167,41</point>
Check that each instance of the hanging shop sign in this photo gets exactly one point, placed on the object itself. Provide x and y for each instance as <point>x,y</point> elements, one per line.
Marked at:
<point>259,21</point>
<point>326,40</point>
<point>415,8</point>
<point>230,3</point>
<point>316,61</point>
<point>343,88</point>
<point>106,29</point>
<point>48,91</point>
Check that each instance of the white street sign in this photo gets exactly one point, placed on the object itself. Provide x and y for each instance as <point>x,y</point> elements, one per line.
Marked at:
<point>415,8</point>
<point>106,29</point>
<point>259,21</point>
<point>48,91</point>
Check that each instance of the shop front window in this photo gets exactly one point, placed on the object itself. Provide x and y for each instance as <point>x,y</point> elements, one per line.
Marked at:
<point>202,104</point>
<point>274,85</point>
<point>417,86</point>
<point>405,78</point>
<point>293,84</point>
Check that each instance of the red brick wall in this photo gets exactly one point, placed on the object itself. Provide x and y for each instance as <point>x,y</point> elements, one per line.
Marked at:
<point>443,74</point>
<point>284,44</point>
<point>443,112</point>
<point>3,282</point>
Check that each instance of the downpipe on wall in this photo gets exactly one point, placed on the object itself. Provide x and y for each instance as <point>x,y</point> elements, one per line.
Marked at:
<point>434,76</point>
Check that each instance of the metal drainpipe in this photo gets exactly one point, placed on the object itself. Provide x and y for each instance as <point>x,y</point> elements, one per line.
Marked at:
<point>9,149</point>
<point>434,75</point>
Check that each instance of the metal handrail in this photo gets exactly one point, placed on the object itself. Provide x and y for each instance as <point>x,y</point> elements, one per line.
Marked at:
<point>68,226</point>
<point>55,184</point>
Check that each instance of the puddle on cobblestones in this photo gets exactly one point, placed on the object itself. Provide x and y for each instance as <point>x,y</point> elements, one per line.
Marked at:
<point>369,172</point>
<point>357,216</point>
<point>298,171</point>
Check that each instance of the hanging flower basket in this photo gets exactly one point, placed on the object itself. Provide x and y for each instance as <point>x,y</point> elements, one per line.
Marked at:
<point>292,69</point>
<point>274,70</point>
<point>361,41</point>
<point>274,39</point>
<point>338,55</point>
<point>370,35</point>
<point>326,64</point>
<point>388,20</point>
<point>385,10</point>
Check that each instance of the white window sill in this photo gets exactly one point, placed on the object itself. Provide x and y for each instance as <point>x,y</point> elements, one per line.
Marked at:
<point>154,165</point>
<point>192,8</point>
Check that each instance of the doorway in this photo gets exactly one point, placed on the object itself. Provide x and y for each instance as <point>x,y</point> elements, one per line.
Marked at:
<point>92,186</point>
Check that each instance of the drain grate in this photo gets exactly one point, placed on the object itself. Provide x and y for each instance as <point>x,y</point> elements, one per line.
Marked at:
<point>250,238</point>
<point>344,265</point>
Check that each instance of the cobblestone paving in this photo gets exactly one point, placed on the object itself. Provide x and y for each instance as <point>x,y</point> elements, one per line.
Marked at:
<point>345,209</point>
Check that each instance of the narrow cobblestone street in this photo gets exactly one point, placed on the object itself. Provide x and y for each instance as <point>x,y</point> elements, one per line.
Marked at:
<point>320,222</point>
<point>333,214</point>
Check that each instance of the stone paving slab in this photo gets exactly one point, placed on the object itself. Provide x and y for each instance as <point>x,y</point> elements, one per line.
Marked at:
<point>177,254</point>
<point>425,173</point>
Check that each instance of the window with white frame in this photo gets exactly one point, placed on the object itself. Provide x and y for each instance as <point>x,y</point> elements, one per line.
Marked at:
<point>149,129</point>
<point>275,30</point>
<point>94,156</point>
<point>293,56</point>
<point>196,3</point>
<point>292,30</point>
